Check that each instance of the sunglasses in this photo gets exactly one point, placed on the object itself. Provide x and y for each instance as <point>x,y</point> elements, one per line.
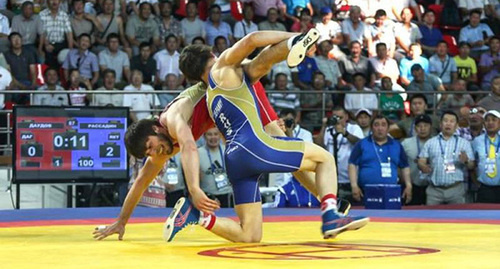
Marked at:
<point>477,110</point>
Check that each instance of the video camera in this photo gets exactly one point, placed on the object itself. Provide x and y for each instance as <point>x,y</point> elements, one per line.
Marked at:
<point>333,120</point>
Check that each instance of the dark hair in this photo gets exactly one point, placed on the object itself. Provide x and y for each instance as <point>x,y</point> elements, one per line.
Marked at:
<point>111,36</point>
<point>354,42</point>
<point>170,36</point>
<point>418,95</point>
<point>286,111</point>
<point>75,1</point>
<point>475,11</point>
<point>73,70</point>
<point>213,7</point>
<point>218,38</point>
<point>463,43</point>
<point>273,8</point>
<point>359,74</point>
<point>416,67</point>
<point>193,60</point>
<point>379,117</point>
<point>305,11</point>
<point>26,3</point>
<point>385,78</point>
<point>12,34</point>
<point>280,74</point>
<point>442,42</point>
<point>340,108</point>
<point>192,2</point>
<point>144,44</point>
<point>380,13</point>
<point>83,35</point>
<point>137,136</point>
<point>316,73</point>
<point>50,69</point>
<point>198,38</point>
<point>428,11</point>
<point>107,71</point>
<point>494,37</point>
<point>144,4</point>
<point>449,112</point>
<point>379,45</point>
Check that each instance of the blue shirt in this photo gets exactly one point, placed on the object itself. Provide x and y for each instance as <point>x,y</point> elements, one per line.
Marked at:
<point>478,145</point>
<point>369,161</point>
<point>407,63</point>
<point>430,37</point>
<point>471,35</point>
<point>213,32</point>
<point>306,70</point>
<point>86,63</point>
<point>291,5</point>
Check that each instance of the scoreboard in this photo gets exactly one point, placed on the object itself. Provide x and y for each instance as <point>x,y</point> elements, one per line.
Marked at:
<point>68,144</point>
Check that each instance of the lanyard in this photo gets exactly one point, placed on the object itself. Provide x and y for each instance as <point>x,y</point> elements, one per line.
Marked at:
<point>443,152</point>
<point>297,134</point>
<point>487,145</point>
<point>412,127</point>
<point>210,159</point>
<point>376,153</point>
<point>418,146</point>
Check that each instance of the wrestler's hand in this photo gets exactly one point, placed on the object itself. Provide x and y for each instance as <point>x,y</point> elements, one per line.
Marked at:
<point>116,228</point>
<point>201,201</point>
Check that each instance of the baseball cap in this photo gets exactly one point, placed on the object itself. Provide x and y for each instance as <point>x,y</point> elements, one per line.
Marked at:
<point>325,10</point>
<point>423,118</point>
<point>492,112</point>
<point>363,110</point>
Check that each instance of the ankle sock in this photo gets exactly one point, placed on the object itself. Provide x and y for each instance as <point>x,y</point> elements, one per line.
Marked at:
<point>329,202</point>
<point>207,220</point>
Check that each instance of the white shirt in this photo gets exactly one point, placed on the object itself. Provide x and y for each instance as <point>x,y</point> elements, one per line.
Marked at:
<point>473,4</point>
<point>51,98</point>
<point>5,80</point>
<point>167,64</point>
<point>407,36</point>
<point>140,101</point>
<point>299,132</point>
<point>328,30</point>
<point>242,29</point>
<point>4,25</point>
<point>358,34</point>
<point>344,148</point>
<point>355,101</point>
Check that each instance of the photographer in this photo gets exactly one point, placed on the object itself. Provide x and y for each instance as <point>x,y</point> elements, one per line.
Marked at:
<point>293,129</point>
<point>339,137</point>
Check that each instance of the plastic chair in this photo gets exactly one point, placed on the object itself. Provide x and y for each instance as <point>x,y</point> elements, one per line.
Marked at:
<point>452,44</point>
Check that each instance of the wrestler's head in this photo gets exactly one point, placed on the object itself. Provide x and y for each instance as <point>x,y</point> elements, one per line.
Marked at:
<point>146,139</point>
<point>195,62</point>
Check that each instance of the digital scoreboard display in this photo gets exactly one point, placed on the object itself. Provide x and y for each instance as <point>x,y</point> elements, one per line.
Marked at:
<point>68,144</point>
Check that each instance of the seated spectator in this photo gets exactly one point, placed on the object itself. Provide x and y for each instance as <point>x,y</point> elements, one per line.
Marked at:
<point>490,63</point>
<point>430,35</point>
<point>245,26</point>
<point>475,126</point>
<point>353,63</point>
<point>140,101</point>
<point>305,22</point>
<point>476,33</point>
<point>414,57</point>
<point>456,101</point>
<point>198,41</point>
<point>113,58</point>
<point>112,24</point>
<point>282,99</point>
<point>391,104</point>
<point>142,28</point>
<point>466,66</point>
<point>169,84</point>
<point>51,85</point>
<point>376,160</point>
<point>23,67</point>
<point>78,83</point>
<point>102,99</point>
<point>363,119</point>
<point>327,66</point>
<point>215,27</point>
<point>443,66</point>
<point>83,60</point>
<point>220,45</point>
<point>382,31</point>
<point>486,148</point>
<point>399,6</point>
<point>425,83</point>
<point>29,26</point>
<point>406,127</point>
<point>168,24</point>
<point>4,33</point>
<point>145,63</point>
<point>413,146</point>
<point>354,101</point>
<point>353,28</point>
<point>311,104</point>
<point>302,75</point>
<point>383,65</point>
<point>84,23</point>
<point>293,8</point>
<point>446,157</point>
<point>492,101</point>
<point>133,7</point>
<point>272,23</point>
<point>191,25</point>
<point>214,181</point>
<point>329,29</point>
<point>167,60</point>
<point>281,67</point>
<point>262,8</point>
<point>407,34</point>
<point>467,6</point>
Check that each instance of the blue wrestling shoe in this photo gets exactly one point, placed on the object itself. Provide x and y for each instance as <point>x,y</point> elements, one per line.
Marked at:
<point>334,224</point>
<point>300,45</point>
<point>182,215</point>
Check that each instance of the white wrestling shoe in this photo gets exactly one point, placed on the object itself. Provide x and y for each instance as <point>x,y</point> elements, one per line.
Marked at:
<point>300,45</point>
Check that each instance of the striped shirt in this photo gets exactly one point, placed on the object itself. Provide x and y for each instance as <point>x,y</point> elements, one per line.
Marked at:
<point>433,151</point>
<point>284,100</point>
<point>55,28</point>
<point>330,68</point>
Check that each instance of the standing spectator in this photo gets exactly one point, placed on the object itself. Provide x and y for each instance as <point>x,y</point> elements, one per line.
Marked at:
<point>383,65</point>
<point>363,119</point>
<point>140,101</point>
<point>77,83</point>
<point>418,106</point>
<point>443,66</point>
<point>214,181</point>
<point>382,31</point>
<point>167,60</point>
<point>84,23</point>
<point>109,81</point>
<point>476,33</point>
<point>339,139</point>
<point>281,100</point>
<point>466,66</point>
<point>314,102</point>
<point>112,24</point>
<point>327,66</point>
<point>215,27</point>
<point>376,159</point>
<point>82,59</point>
<point>57,33</point>
<point>113,58</point>
<point>490,63</point>
<point>29,26</point>
<point>4,33</point>
<point>456,101</point>
<point>272,22</point>
<point>191,25</point>
<point>430,35</point>
<point>486,147</point>
<point>168,24</point>
<point>425,83</point>
<point>22,65</point>
<point>414,57</point>
<point>475,124</point>
<point>446,157</point>
<point>391,104</point>
<point>413,146</point>
<point>353,28</point>
<point>142,28</point>
<point>170,85</point>
<point>355,63</point>
<point>145,63</point>
<point>51,86</point>
<point>492,101</point>
<point>304,24</point>
<point>329,29</point>
<point>354,101</point>
<point>245,26</point>
<point>407,34</point>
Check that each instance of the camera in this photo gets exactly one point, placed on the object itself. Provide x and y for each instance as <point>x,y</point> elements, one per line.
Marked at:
<point>333,120</point>
<point>289,123</point>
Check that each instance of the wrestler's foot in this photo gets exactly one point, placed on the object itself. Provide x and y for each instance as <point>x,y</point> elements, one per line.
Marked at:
<point>334,224</point>
<point>300,45</point>
<point>182,215</point>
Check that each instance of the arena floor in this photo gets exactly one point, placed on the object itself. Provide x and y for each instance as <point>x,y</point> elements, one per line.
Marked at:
<point>420,238</point>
